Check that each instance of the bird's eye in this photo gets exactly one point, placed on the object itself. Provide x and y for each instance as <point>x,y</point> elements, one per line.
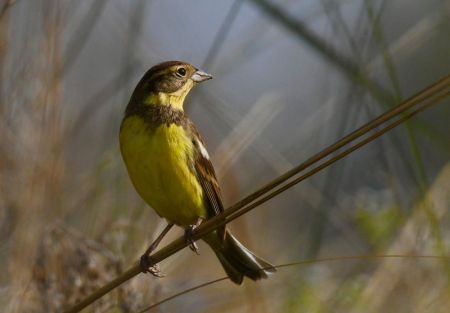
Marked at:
<point>181,72</point>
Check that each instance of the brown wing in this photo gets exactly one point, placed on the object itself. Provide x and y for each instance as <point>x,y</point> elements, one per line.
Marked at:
<point>206,175</point>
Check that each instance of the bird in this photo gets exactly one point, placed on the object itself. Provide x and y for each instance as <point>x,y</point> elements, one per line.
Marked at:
<point>171,170</point>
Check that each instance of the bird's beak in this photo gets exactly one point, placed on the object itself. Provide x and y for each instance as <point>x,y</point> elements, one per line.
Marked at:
<point>200,76</point>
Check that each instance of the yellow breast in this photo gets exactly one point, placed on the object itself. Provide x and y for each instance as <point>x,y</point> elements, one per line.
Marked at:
<point>158,161</point>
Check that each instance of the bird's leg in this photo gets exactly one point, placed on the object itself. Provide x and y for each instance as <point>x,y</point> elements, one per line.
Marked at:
<point>188,235</point>
<point>145,258</point>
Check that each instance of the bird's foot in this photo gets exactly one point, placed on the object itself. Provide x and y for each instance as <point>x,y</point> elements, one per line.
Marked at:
<point>146,266</point>
<point>188,236</point>
<point>189,232</point>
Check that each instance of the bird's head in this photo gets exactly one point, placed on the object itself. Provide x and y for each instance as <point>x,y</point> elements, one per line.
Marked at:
<point>167,83</point>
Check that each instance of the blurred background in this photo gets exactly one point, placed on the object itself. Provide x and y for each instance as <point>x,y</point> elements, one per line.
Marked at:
<point>284,88</point>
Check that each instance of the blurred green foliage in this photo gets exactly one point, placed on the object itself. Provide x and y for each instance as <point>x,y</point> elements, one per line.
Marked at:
<point>379,226</point>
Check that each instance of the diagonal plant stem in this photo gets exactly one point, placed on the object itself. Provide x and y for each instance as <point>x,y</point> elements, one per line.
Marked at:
<point>222,33</point>
<point>329,162</point>
<point>421,96</point>
<point>432,94</point>
<point>353,71</point>
<point>390,68</point>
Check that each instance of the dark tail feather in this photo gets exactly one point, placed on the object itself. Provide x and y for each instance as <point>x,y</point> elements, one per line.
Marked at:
<point>237,260</point>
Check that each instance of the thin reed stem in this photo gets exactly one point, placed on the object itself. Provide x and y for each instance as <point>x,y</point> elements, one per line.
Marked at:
<point>432,95</point>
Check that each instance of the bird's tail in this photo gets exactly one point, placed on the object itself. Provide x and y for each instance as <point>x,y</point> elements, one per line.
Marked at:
<point>237,260</point>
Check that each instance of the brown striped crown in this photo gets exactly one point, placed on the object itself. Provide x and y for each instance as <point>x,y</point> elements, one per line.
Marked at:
<point>166,77</point>
<point>165,84</point>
